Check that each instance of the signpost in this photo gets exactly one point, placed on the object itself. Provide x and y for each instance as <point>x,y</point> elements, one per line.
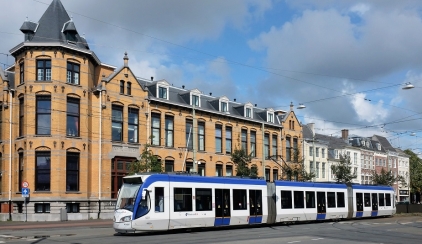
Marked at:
<point>25,194</point>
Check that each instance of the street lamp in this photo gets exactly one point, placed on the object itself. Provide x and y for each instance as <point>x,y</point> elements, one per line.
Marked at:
<point>408,86</point>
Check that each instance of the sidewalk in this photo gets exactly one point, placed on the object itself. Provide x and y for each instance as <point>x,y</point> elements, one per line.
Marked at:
<point>19,225</point>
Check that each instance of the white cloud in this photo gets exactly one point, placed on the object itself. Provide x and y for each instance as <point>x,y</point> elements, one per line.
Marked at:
<point>360,8</point>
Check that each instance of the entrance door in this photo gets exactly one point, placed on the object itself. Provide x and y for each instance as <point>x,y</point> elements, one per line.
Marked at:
<point>374,198</point>
<point>321,205</point>
<point>255,206</point>
<point>359,205</point>
<point>222,207</point>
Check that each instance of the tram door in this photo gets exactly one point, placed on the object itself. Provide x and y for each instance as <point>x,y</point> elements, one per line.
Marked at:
<point>255,206</point>
<point>321,205</point>
<point>222,207</point>
<point>374,198</point>
<point>359,204</point>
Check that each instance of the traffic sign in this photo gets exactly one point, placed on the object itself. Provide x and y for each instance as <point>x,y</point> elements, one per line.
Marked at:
<point>25,184</point>
<point>25,192</point>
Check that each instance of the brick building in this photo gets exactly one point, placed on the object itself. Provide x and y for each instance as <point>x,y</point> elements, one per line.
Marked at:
<point>71,125</point>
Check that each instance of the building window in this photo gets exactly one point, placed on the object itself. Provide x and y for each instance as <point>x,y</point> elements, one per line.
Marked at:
<point>275,174</point>
<point>253,143</point>
<point>322,152</point>
<point>43,115</point>
<point>244,138</point>
<point>274,145</point>
<point>22,72</point>
<point>201,168</point>
<point>218,170</point>
<point>317,152</point>
<point>270,118</point>
<point>132,127</point>
<point>248,112</point>
<point>218,141</point>
<point>43,70</point>
<point>323,170</point>
<point>228,140</point>
<point>169,130</point>
<point>73,73</point>
<point>72,207</point>
<point>20,170</point>
<point>117,123</point>
<point>317,170</point>
<point>229,170</point>
<point>21,116</point>
<point>311,151</point>
<point>266,146</point>
<point>223,107</point>
<point>288,149</point>
<point>169,166</point>
<point>129,88</point>
<point>42,171</point>
<point>72,121</point>
<point>72,171</point>
<point>162,92</point>
<point>189,131</point>
<point>155,128</point>
<point>42,207</point>
<point>201,136</point>
<point>122,87</point>
<point>195,100</point>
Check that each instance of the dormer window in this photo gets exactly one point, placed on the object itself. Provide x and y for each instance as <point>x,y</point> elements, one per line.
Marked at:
<point>162,92</point>
<point>270,117</point>
<point>195,100</point>
<point>379,146</point>
<point>224,107</point>
<point>249,112</point>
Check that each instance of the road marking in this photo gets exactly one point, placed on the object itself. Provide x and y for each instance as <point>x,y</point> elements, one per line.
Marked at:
<point>5,236</point>
<point>388,223</point>
<point>293,242</point>
<point>317,239</point>
<point>406,223</point>
<point>376,223</point>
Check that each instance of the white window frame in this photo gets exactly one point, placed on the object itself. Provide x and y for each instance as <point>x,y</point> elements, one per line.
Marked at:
<point>221,101</point>
<point>270,115</point>
<point>249,106</point>
<point>163,84</point>
<point>197,93</point>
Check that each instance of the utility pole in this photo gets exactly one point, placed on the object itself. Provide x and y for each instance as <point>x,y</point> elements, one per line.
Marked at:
<point>194,137</point>
<point>263,152</point>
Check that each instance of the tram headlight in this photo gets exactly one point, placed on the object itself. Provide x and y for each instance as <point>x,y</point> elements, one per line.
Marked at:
<point>125,219</point>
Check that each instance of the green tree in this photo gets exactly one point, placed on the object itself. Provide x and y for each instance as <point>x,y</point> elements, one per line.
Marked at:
<point>296,170</point>
<point>385,177</point>
<point>242,160</point>
<point>415,171</point>
<point>343,171</point>
<point>147,163</point>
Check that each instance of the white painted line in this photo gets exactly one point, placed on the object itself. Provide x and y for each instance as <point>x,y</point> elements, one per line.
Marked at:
<point>376,223</point>
<point>2,242</point>
<point>406,223</point>
<point>317,239</point>
<point>388,223</point>
<point>5,236</point>
<point>293,242</point>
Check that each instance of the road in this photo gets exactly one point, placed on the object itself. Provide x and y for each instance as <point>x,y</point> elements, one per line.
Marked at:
<point>383,230</point>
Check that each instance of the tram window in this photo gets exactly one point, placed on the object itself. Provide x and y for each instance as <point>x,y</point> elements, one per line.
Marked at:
<point>381,199</point>
<point>239,199</point>
<point>286,199</point>
<point>387,199</point>
<point>331,199</point>
<point>203,199</point>
<point>340,200</point>
<point>367,199</point>
<point>159,199</point>
<point>298,199</point>
<point>310,199</point>
<point>182,199</point>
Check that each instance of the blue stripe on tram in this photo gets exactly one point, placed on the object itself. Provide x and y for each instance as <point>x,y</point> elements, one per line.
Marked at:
<point>222,221</point>
<point>320,216</point>
<point>374,213</point>
<point>359,214</point>
<point>255,220</point>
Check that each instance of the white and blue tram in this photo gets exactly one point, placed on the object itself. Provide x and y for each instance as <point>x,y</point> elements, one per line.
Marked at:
<point>156,202</point>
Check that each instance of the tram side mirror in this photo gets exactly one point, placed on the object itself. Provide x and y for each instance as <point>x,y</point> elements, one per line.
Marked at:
<point>144,194</point>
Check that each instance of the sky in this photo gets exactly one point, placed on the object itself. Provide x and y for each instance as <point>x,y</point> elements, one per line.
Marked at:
<point>346,61</point>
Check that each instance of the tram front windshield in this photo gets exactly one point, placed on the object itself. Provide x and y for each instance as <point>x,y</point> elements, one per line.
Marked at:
<point>127,196</point>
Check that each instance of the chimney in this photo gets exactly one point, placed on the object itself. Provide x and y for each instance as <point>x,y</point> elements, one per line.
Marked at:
<point>291,106</point>
<point>234,99</point>
<point>126,59</point>
<point>210,93</point>
<point>256,104</point>
<point>345,134</point>
<point>152,78</point>
<point>183,86</point>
